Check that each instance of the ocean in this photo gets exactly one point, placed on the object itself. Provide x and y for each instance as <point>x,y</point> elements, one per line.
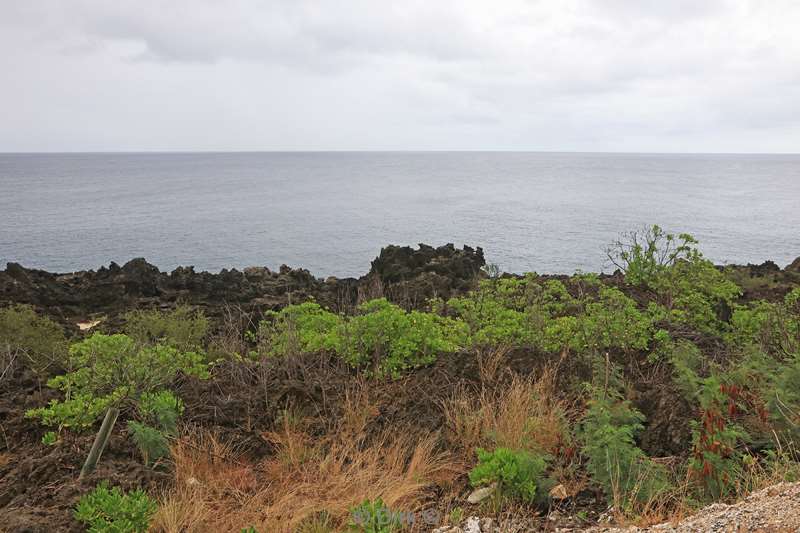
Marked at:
<point>331,212</point>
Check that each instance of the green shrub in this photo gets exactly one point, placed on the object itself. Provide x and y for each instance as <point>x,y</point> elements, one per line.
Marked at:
<point>689,286</point>
<point>111,370</point>
<point>715,461</point>
<point>374,517</point>
<point>517,312</point>
<point>37,341</point>
<point>303,328</point>
<point>152,443</point>
<point>158,413</point>
<point>182,328</point>
<point>382,336</point>
<point>692,290</point>
<point>749,325</point>
<point>106,510</point>
<point>391,340</point>
<point>528,312</point>
<point>614,461</point>
<point>644,254</point>
<point>50,438</point>
<point>517,472</point>
<point>614,321</point>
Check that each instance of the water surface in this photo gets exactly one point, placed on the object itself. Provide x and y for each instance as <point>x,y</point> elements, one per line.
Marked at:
<point>332,212</point>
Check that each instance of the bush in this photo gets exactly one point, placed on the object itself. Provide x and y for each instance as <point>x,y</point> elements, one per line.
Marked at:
<point>159,413</point>
<point>715,462</point>
<point>182,328</point>
<point>516,472</point>
<point>749,325</point>
<point>614,461</point>
<point>107,510</point>
<point>644,254</point>
<point>383,336</point>
<point>495,313</point>
<point>614,321</point>
<point>303,328</point>
<point>692,291</point>
<point>391,340</point>
<point>37,341</point>
<point>113,370</point>
<point>690,287</point>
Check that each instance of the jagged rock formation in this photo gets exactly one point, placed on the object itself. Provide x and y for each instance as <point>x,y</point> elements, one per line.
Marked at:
<point>404,274</point>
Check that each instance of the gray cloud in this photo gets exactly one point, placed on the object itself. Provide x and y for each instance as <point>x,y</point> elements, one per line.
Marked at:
<point>570,75</point>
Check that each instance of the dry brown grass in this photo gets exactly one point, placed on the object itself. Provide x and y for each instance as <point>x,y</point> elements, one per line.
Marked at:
<point>522,414</point>
<point>218,491</point>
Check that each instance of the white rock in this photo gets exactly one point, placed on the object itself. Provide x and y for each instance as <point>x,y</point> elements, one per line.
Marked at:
<point>472,525</point>
<point>478,495</point>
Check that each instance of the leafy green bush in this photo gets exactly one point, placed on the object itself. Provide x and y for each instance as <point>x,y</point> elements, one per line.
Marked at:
<point>374,517</point>
<point>544,315</point>
<point>50,438</point>
<point>382,336</point>
<point>37,341</point>
<point>106,510</point>
<point>517,472</point>
<point>614,461</point>
<point>495,313</point>
<point>182,328</point>
<point>391,340</point>
<point>692,290</point>
<point>690,287</point>
<point>614,321</point>
<point>645,254</point>
<point>158,413</point>
<point>303,328</point>
<point>749,324</point>
<point>111,370</point>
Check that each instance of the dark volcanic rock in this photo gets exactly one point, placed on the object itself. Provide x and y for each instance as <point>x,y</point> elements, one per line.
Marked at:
<point>411,276</point>
<point>765,268</point>
<point>401,263</point>
<point>794,266</point>
<point>403,274</point>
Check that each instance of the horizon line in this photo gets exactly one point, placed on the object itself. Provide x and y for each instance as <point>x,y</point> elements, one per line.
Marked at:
<point>349,151</point>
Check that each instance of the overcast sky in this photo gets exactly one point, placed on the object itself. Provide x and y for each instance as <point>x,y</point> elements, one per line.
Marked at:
<point>602,75</point>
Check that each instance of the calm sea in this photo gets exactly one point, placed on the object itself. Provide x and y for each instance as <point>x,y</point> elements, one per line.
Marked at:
<point>332,212</point>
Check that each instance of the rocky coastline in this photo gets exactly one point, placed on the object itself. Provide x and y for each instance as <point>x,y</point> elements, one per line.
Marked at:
<point>406,275</point>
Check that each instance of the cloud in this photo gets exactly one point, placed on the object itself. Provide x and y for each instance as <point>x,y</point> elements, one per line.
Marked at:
<point>521,74</point>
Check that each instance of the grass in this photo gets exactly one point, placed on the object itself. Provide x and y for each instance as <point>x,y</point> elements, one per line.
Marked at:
<point>521,413</point>
<point>218,490</point>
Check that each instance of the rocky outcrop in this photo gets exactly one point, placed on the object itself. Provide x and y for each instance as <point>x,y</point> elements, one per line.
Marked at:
<point>794,266</point>
<point>413,275</point>
<point>403,274</point>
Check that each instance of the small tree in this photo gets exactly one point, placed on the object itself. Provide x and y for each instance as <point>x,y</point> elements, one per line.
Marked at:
<point>112,372</point>
<point>643,254</point>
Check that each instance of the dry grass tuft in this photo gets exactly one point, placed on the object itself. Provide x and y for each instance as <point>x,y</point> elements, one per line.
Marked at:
<point>309,483</point>
<point>523,414</point>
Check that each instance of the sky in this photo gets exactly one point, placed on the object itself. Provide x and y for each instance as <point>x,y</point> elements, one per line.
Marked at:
<point>549,75</point>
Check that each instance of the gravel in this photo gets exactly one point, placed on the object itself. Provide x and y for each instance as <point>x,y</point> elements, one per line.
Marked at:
<point>774,509</point>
